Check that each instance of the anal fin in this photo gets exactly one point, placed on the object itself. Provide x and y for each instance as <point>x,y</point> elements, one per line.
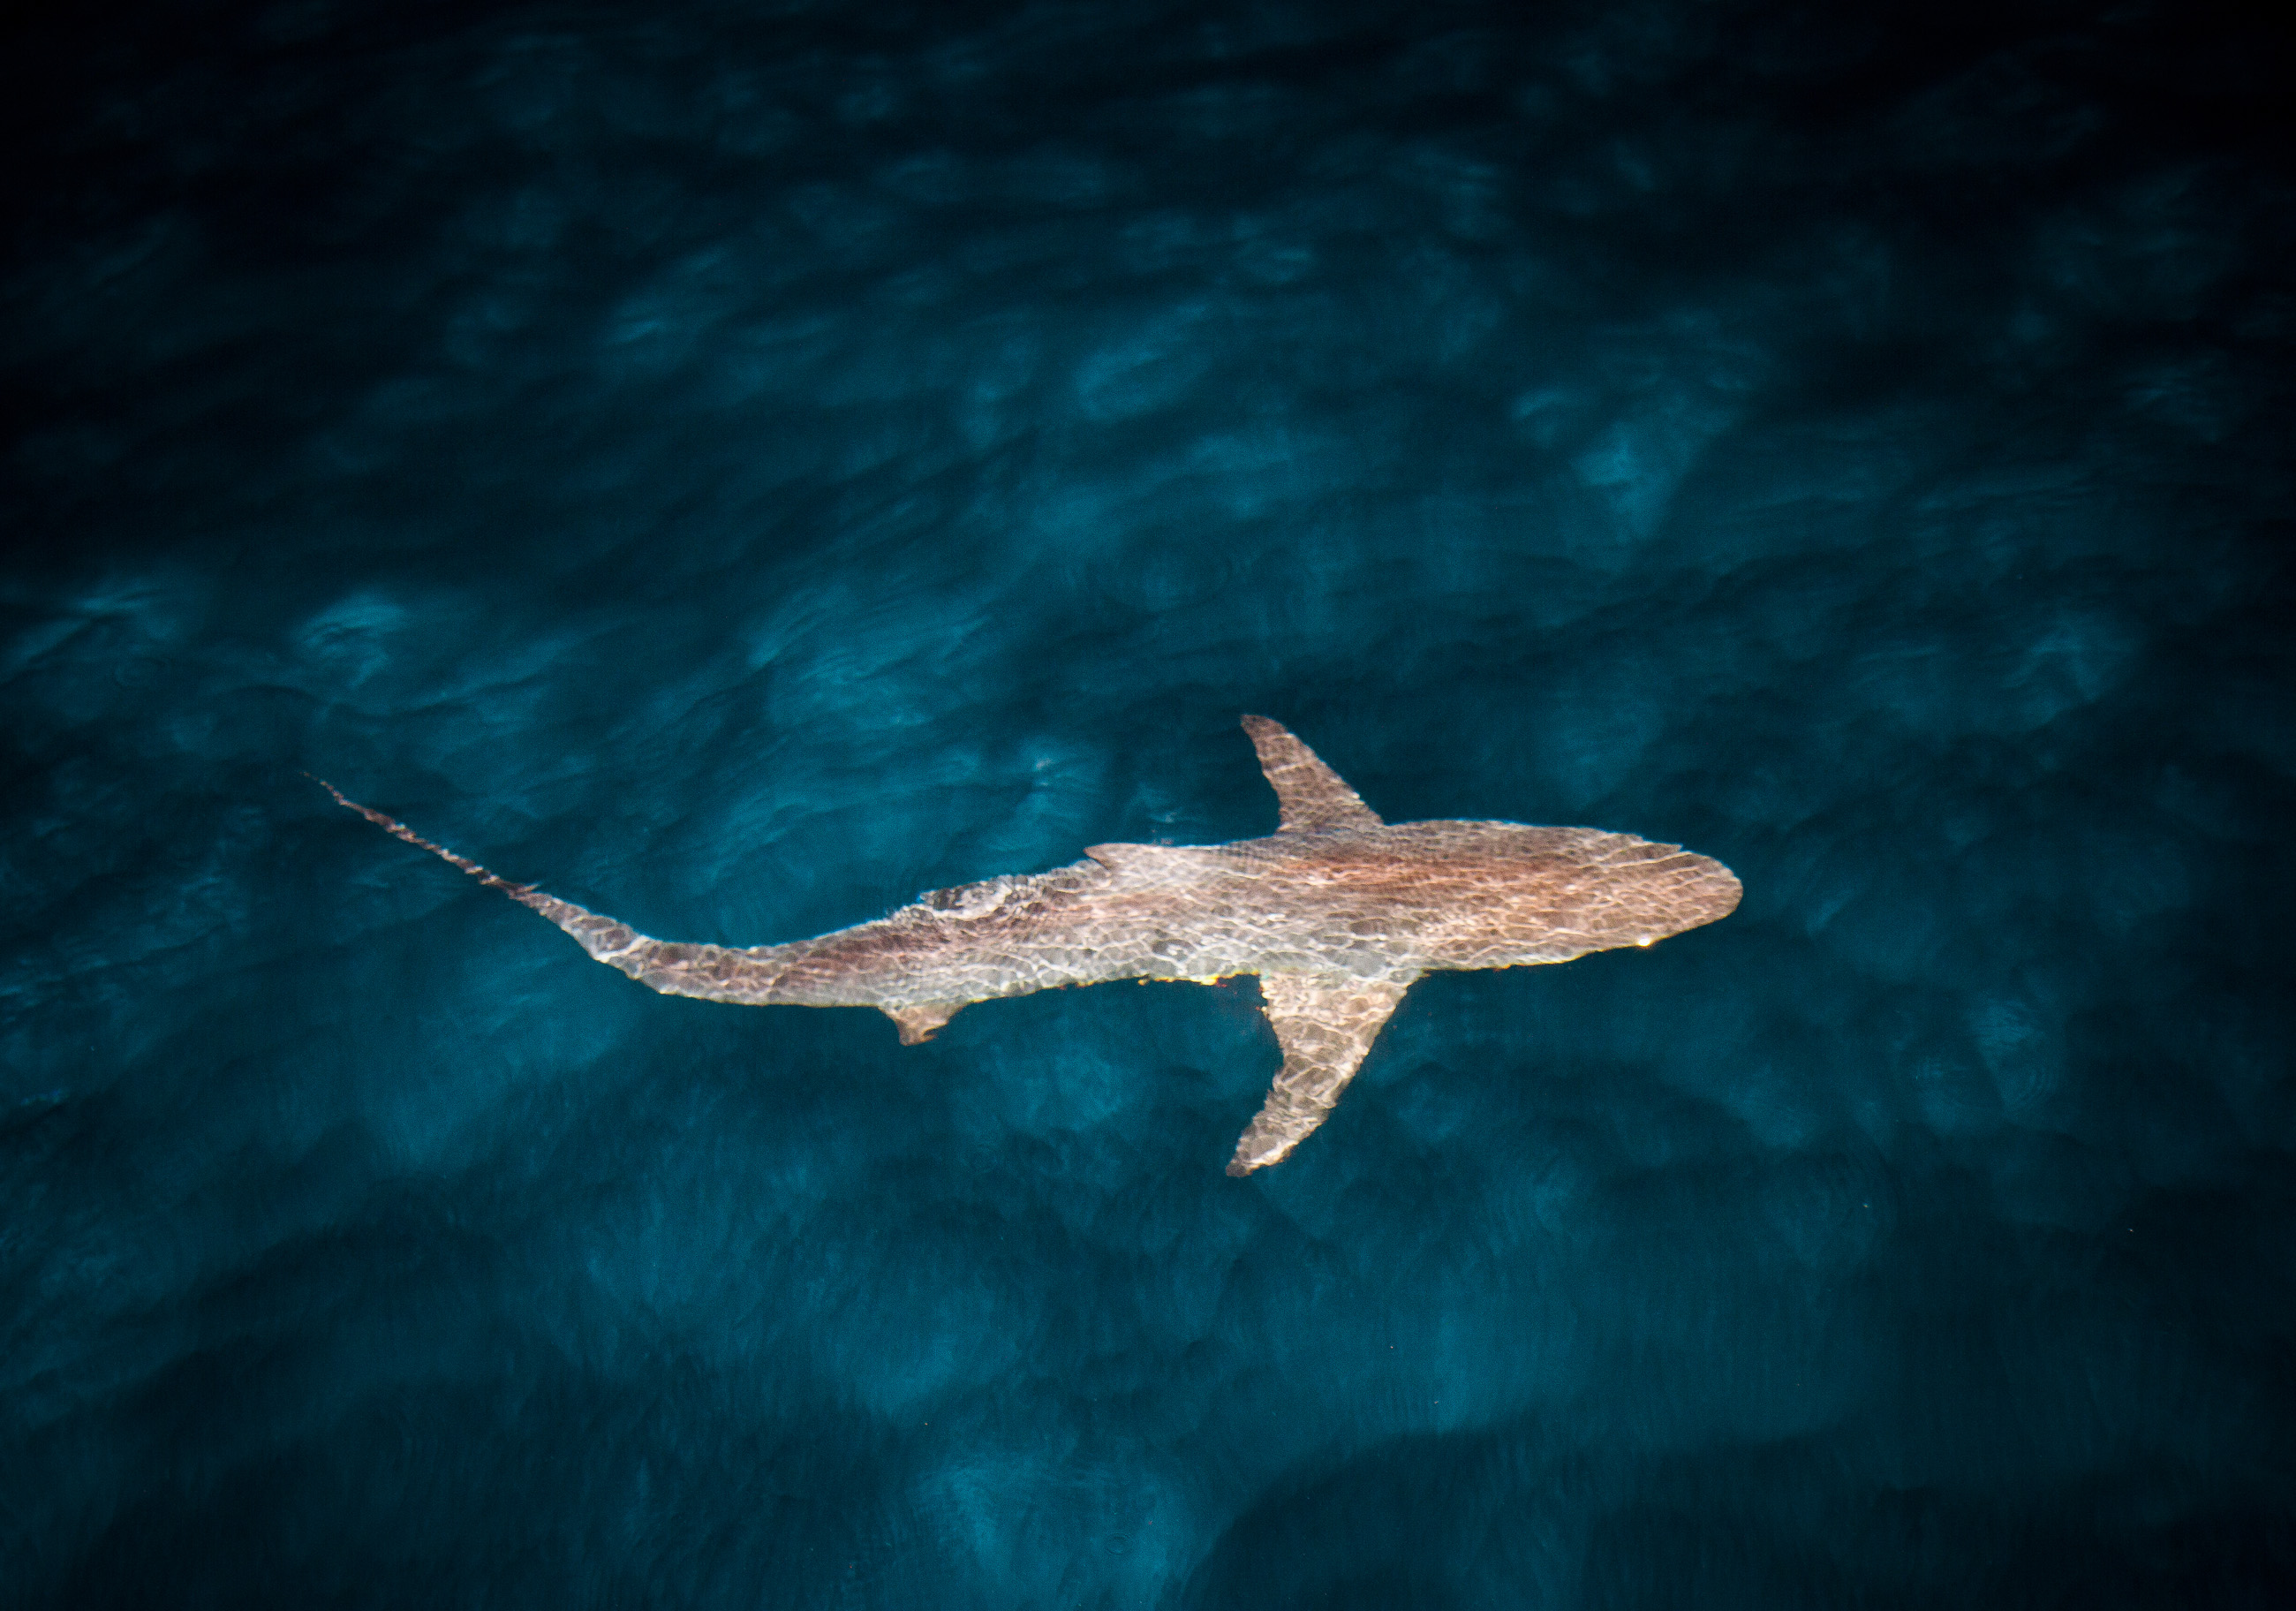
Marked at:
<point>1326,1026</point>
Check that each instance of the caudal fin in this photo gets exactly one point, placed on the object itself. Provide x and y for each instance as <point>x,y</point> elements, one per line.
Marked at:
<point>615,943</point>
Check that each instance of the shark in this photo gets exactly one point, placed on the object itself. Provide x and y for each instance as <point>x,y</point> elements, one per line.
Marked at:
<point>1337,913</point>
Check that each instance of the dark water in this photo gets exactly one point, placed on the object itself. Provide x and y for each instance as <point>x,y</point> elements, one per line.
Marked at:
<point>741,465</point>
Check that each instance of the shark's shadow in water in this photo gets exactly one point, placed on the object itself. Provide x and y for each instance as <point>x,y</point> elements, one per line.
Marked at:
<point>1337,912</point>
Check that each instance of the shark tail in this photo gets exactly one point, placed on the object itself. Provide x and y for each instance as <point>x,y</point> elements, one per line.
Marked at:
<point>616,944</point>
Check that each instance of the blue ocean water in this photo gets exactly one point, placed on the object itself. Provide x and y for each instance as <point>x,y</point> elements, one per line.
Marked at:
<point>739,466</point>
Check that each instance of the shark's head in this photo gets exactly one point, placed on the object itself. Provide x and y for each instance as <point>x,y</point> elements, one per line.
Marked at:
<point>1550,894</point>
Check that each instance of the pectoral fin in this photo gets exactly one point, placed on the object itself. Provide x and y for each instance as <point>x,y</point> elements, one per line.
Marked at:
<point>1324,1027</point>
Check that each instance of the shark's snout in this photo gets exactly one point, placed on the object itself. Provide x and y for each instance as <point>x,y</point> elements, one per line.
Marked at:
<point>1713,896</point>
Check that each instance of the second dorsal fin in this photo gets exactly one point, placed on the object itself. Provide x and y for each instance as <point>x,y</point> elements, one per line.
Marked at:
<point>1152,860</point>
<point>1310,797</point>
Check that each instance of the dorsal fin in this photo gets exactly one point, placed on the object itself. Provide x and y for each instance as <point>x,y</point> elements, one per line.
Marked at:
<point>1308,793</point>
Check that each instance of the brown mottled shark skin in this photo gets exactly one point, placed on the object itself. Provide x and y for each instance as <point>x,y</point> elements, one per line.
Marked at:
<point>1337,912</point>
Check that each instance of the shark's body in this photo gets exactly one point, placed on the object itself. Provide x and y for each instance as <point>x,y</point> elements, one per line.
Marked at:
<point>1337,912</point>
